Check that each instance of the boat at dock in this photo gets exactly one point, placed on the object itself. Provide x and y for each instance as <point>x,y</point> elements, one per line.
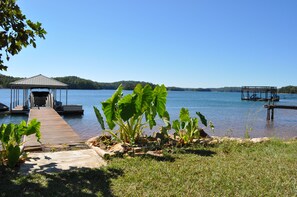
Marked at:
<point>3,107</point>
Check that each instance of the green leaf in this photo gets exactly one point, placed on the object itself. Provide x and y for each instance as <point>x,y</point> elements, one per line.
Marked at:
<point>202,118</point>
<point>99,117</point>
<point>109,107</point>
<point>150,118</point>
<point>34,128</point>
<point>8,131</point>
<point>144,98</point>
<point>166,118</point>
<point>127,107</point>
<point>21,128</point>
<point>160,95</point>
<point>2,130</point>
<point>14,153</point>
<point>176,125</point>
<point>17,30</point>
<point>184,115</point>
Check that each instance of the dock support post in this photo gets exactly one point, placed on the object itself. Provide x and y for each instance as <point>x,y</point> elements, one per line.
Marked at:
<point>268,114</point>
<point>67,96</point>
<point>10,99</point>
<point>272,113</point>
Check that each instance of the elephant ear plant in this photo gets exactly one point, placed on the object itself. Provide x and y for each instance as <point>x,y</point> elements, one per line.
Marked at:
<point>11,136</point>
<point>127,113</point>
<point>187,128</point>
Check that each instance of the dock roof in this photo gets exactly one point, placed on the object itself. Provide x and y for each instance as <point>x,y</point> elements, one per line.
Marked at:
<point>38,81</point>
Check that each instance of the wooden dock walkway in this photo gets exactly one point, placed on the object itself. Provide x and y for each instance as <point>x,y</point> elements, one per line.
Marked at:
<point>54,130</point>
<point>271,107</point>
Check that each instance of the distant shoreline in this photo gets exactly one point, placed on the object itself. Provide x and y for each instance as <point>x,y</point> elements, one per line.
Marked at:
<point>75,82</point>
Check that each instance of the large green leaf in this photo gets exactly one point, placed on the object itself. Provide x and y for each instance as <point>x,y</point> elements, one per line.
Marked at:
<point>184,115</point>
<point>14,153</point>
<point>202,118</point>
<point>160,95</point>
<point>34,128</point>
<point>138,91</point>
<point>149,117</point>
<point>144,98</point>
<point>176,125</point>
<point>166,117</point>
<point>109,107</point>
<point>147,97</point>
<point>2,130</point>
<point>99,117</point>
<point>127,107</point>
<point>20,130</point>
<point>6,135</point>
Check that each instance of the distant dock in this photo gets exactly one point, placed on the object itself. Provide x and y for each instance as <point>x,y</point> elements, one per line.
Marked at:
<point>271,107</point>
<point>259,93</point>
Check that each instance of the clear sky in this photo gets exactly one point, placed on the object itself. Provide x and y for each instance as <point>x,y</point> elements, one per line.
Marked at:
<point>184,43</point>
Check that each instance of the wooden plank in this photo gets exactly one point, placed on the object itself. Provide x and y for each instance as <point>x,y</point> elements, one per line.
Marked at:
<point>294,107</point>
<point>54,129</point>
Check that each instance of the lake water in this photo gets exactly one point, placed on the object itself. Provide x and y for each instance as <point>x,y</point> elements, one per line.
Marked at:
<point>230,115</point>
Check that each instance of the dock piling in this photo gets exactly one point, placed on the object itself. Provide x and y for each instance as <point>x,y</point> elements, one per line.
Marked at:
<point>268,114</point>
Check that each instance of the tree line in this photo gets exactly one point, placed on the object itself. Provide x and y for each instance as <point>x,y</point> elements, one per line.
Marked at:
<point>288,90</point>
<point>75,82</point>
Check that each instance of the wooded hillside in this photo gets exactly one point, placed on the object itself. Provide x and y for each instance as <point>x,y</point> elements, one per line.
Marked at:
<point>80,83</point>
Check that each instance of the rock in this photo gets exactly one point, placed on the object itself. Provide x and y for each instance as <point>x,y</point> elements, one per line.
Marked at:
<point>102,153</point>
<point>259,140</point>
<point>137,149</point>
<point>214,141</point>
<point>155,153</point>
<point>117,148</point>
<point>92,140</point>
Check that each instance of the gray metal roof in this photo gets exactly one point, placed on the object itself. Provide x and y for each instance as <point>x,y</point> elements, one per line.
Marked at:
<point>38,81</point>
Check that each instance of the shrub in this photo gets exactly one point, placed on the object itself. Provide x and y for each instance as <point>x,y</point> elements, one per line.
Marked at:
<point>11,136</point>
<point>127,112</point>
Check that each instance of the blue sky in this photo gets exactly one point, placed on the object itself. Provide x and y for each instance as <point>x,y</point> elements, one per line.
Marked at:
<point>184,43</point>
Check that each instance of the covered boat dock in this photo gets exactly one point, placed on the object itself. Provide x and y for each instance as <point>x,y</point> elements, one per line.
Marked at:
<point>23,95</point>
<point>37,97</point>
<point>259,93</point>
<point>40,91</point>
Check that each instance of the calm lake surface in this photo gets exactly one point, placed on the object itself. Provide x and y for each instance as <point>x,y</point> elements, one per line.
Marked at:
<point>230,115</point>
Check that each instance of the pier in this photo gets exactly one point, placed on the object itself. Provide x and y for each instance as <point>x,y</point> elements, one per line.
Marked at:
<point>39,98</point>
<point>54,129</point>
<point>259,93</point>
<point>271,107</point>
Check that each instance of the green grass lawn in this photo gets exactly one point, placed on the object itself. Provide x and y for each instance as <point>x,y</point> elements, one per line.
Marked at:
<point>228,169</point>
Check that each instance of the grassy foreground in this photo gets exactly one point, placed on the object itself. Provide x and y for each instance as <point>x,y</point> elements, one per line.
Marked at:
<point>228,169</point>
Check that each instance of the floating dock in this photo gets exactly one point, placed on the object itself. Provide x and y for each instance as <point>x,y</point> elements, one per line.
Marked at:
<point>54,130</point>
<point>259,93</point>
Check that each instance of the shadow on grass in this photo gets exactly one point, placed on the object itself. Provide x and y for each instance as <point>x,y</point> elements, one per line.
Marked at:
<point>74,182</point>
<point>204,153</point>
<point>200,152</point>
<point>164,158</point>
